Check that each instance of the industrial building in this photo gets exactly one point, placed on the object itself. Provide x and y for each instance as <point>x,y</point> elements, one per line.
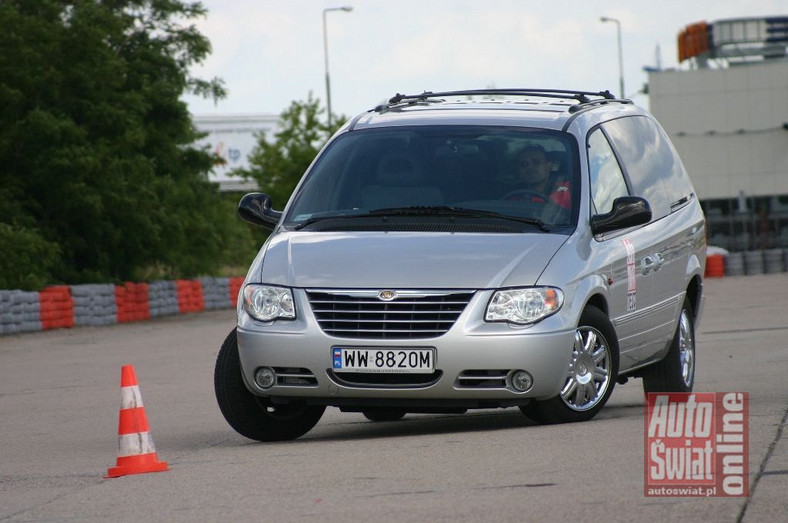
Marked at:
<point>726,110</point>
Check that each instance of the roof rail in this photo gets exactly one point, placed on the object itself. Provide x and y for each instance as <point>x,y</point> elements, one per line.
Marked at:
<point>583,97</point>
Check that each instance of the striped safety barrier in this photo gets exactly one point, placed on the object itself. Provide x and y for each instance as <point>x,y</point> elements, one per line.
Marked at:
<point>94,304</point>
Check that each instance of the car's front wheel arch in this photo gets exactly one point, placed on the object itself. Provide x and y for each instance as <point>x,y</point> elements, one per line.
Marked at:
<point>591,376</point>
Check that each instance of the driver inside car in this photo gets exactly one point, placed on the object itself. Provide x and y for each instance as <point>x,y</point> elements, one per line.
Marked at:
<point>535,170</point>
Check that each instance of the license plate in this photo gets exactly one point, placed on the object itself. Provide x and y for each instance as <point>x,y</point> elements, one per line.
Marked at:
<point>383,359</point>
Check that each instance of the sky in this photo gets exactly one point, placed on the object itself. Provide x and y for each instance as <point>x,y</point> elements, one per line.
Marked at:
<point>270,53</point>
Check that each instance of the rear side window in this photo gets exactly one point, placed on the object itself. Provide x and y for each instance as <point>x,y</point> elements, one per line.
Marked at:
<point>651,162</point>
<point>607,180</point>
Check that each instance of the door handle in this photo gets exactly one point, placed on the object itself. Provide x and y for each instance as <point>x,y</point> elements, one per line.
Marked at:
<point>647,265</point>
<point>659,260</point>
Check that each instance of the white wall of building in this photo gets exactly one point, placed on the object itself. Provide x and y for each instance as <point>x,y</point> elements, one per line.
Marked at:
<point>728,126</point>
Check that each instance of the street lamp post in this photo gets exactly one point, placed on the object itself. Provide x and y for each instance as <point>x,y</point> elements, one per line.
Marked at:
<point>325,51</point>
<point>620,54</point>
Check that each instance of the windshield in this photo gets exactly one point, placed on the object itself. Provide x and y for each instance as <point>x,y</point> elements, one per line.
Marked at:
<point>521,175</point>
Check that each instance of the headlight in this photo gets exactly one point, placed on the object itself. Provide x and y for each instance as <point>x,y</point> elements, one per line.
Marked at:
<point>524,306</point>
<point>266,303</point>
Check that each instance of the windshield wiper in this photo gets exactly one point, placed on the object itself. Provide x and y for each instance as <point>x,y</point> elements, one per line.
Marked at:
<point>429,210</point>
<point>448,210</point>
<point>331,216</point>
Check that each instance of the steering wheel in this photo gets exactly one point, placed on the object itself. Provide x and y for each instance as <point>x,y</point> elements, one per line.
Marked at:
<point>521,194</point>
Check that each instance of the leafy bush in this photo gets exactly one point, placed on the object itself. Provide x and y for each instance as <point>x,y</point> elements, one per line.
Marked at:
<point>27,260</point>
<point>99,176</point>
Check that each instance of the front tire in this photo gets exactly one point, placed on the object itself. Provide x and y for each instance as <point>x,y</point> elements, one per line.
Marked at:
<point>676,372</point>
<point>591,375</point>
<point>252,416</point>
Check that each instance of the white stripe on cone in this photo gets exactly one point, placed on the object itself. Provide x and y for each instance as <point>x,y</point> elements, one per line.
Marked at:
<point>130,397</point>
<point>135,444</point>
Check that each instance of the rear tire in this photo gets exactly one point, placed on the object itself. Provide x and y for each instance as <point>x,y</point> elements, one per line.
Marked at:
<point>676,372</point>
<point>591,376</point>
<point>384,414</point>
<point>252,416</point>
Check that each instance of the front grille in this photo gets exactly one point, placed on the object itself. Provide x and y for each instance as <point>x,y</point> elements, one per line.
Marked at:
<point>412,314</point>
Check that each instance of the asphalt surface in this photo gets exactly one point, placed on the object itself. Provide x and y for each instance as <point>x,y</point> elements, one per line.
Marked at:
<point>60,395</point>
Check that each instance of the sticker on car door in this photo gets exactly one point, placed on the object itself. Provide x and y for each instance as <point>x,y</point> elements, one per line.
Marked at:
<point>632,286</point>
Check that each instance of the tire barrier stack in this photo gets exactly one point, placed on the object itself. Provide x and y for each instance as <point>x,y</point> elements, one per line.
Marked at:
<point>132,302</point>
<point>235,287</point>
<point>94,304</point>
<point>773,261</point>
<point>753,262</point>
<point>19,312</point>
<point>163,298</point>
<point>215,292</point>
<point>767,261</point>
<point>57,307</point>
<point>65,306</point>
<point>190,297</point>
<point>734,264</point>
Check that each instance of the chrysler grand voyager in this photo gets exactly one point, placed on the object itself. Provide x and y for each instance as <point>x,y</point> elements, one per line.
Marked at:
<point>470,249</point>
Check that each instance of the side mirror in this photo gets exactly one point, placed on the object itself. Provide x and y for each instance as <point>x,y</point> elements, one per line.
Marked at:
<point>627,211</point>
<point>255,208</point>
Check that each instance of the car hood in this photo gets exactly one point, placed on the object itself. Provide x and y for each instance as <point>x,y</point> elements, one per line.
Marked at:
<point>405,259</point>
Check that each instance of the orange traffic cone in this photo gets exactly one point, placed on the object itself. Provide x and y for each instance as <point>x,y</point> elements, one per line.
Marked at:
<point>136,452</point>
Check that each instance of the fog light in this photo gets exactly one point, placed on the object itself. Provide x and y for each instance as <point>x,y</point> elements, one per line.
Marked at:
<point>522,381</point>
<point>265,377</point>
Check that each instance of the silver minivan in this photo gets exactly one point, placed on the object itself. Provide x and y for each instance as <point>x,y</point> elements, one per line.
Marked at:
<point>465,250</point>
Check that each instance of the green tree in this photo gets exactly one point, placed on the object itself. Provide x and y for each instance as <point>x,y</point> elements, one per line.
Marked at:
<point>278,165</point>
<point>99,177</point>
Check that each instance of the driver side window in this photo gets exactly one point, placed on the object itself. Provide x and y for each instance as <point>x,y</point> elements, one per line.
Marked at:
<point>607,180</point>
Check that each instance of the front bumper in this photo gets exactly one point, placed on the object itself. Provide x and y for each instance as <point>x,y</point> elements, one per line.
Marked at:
<point>474,362</point>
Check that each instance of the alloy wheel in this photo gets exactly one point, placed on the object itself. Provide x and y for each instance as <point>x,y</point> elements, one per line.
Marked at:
<point>589,370</point>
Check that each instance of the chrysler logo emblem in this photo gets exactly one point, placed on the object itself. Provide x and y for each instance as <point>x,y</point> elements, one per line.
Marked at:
<point>387,295</point>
